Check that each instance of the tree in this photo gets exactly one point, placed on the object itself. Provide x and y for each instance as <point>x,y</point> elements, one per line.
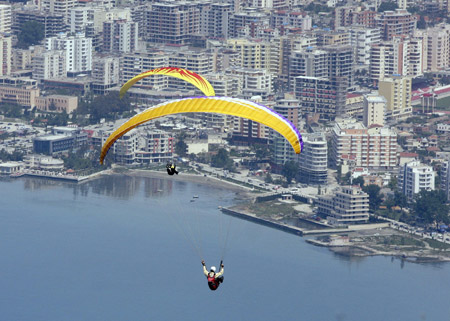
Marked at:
<point>400,199</point>
<point>268,178</point>
<point>31,33</point>
<point>289,170</point>
<point>387,6</point>
<point>221,159</point>
<point>393,183</point>
<point>375,198</point>
<point>431,207</point>
<point>180,146</point>
<point>359,181</point>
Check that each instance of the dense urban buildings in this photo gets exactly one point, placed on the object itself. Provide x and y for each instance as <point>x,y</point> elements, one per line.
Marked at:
<point>414,177</point>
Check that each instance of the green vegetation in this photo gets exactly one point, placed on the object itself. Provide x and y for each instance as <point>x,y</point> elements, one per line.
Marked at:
<point>11,110</point>
<point>431,207</point>
<point>83,160</point>
<point>375,198</point>
<point>289,170</point>
<point>180,146</point>
<point>443,103</point>
<point>15,156</point>
<point>109,107</point>
<point>437,245</point>
<point>31,33</point>
<point>387,6</point>
<point>222,160</point>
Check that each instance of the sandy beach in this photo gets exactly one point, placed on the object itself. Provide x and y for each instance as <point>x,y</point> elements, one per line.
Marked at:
<point>243,191</point>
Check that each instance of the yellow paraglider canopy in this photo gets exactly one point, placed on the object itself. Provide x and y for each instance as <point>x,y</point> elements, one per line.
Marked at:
<point>221,105</point>
<point>184,74</point>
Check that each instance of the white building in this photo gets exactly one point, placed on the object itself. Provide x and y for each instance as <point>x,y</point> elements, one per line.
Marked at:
<point>120,36</point>
<point>414,177</point>
<point>59,7</point>
<point>105,71</point>
<point>5,55</point>
<point>49,65</point>
<point>78,50</point>
<point>445,178</point>
<point>5,18</point>
<point>361,39</point>
<point>313,160</point>
<point>374,108</point>
<point>348,205</point>
<point>373,148</point>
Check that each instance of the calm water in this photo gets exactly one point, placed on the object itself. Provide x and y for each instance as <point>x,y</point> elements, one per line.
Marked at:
<point>110,250</point>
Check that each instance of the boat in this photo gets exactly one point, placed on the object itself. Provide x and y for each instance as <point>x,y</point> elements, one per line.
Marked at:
<point>195,196</point>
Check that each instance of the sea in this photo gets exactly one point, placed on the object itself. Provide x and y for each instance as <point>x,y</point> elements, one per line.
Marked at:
<point>121,248</point>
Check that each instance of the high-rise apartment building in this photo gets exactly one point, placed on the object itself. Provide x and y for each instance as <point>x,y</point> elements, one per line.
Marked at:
<point>135,63</point>
<point>396,23</point>
<point>300,20</point>
<point>445,178</point>
<point>53,24</point>
<point>253,54</point>
<point>120,36</point>
<point>323,96</point>
<point>217,17</point>
<point>313,160</point>
<point>436,43</point>
<point>59,7</point>
<point>105,72</point>
<point>361,39</point>
<point>400,56</point>
<point>374,108</point>
<point>5,18</point>
<point>353,15</point>
<point>50,65</point>
<point>5,55</point>
<point>281,150</point>
<point>78,50</point>
<point>348,205</point>
<point>247,19</point>
<point>397,91</point>
<point>173,22</point>
<point>373,148</point>
<point>414,177</point>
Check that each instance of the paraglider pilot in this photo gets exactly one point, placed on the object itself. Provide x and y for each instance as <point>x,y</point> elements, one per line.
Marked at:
<point>214,279</point>
<point>171,169</point>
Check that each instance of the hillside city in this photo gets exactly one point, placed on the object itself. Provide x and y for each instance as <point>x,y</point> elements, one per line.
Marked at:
<point>367,83</point>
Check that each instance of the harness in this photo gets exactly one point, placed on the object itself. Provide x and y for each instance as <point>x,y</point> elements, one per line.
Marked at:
<point>213,283</point>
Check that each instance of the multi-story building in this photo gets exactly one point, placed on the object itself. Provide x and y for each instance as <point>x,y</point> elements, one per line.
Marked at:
<point>105,71</point>
<point>445,178</point>
<point>352,15</point>
<point>120,36</point>
<point>281,149</point>
<point>253,82</point>
<point>396,23</point>
<point>313,160</point>
<point>436,47</point>
<point>5,18</point>
<point>216,24</point>
<point>21,91</point>
<point>361,39</point>
<point>57,103</point>
<point>374,108</point>
<point>372,148</point>
<point>21,59</point>
<point>327,37</point>
<point>53,24</point>
<point>158,147</point>
<point>400,56</point>
<point>397,91</point>
<point>59,7</point>
<point>253,54</point>
<point>348,205</point>
<point>173,22</point>
<point>323,96</point>
<point>78,50</point>
<point>5,55</point>
<point>53,144</point>
<point>328,62</point>
<point>50,65</point>
<point>135,63</point>
<point>284,18</point>
<point>250,20</point>
<point>414,177</point>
